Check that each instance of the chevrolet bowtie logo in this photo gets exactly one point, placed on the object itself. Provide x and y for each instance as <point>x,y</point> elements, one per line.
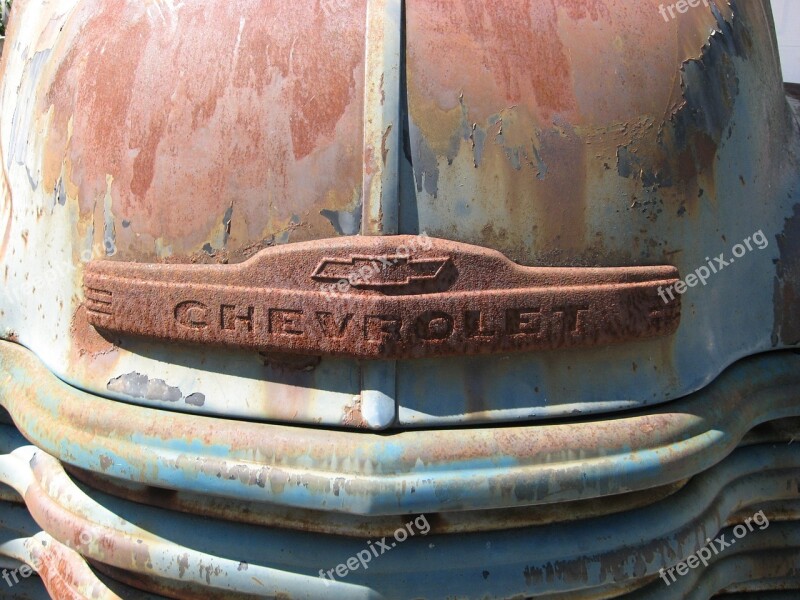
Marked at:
<point>379,272</point>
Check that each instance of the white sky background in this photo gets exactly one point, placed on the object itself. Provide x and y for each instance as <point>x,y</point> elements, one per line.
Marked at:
<point>787,24</point>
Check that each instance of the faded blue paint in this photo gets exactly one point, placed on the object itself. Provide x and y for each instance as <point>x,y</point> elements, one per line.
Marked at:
<point>599,556</point>
<point>374,474</point>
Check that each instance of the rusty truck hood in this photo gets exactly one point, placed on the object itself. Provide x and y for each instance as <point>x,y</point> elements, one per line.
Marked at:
<point>177,138</point>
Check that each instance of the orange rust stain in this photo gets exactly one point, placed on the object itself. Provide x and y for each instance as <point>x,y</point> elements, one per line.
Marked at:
<point>86,338</point>
<point>188,124</point>
<point>523,53</point>
<point>498,54</point>
<point>590,61</point>
<point>559,85</point>
<point>318,52</point>
<point>52,570</point>
<point>586,9</point>
<point>320,107</point>
<point>144,163</point>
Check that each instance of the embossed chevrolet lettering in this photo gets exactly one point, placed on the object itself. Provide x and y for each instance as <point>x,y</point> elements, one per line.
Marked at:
<point>543,322</point>
<point>451,299</point>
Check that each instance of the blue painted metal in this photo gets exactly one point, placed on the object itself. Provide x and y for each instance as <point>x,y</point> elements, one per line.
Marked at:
<point>595,557</point>
<point>757,563</point>
<point>408,472</point>
<point>75,519</point>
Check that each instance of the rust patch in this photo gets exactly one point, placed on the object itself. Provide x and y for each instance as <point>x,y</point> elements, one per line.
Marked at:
<point>515,44</point>
<point>184,141</point>
<point>510,103</point>
<point>354,418</point>
<point>66,575</point>
<point>88,339</point>
<point>448,299</point>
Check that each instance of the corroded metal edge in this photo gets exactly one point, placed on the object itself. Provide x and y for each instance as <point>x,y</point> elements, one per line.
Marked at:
<point>446,298</point>
<point>382,125</point>
<point>407,472</point>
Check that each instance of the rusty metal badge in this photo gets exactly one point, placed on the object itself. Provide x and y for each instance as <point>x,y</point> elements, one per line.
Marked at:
<point>383,297</point>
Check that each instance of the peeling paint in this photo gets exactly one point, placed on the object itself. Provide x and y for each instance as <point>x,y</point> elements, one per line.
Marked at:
<point>344,222</point>
<point>137,385</point>
<point>689,140</point>
<point>23,119</point>
<point>195,399</point>
<point>59,193</point>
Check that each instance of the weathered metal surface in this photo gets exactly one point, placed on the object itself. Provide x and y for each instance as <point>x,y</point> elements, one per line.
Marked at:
<point>768,561</point>
<point>63,571</point>
<point>168,163</point>
<point>206,166</point>
<point>18,527</point>
<point>382,117</point>
<point>591,558</point>
<point>383,123</point>
<point>763,562</point>
<point>407,472</point>
<point>586,135</point>
<point>228,147</point>
<point>446,299</point>
<point>73,518</point>
<point>599,134</point>
<point>332,523</point>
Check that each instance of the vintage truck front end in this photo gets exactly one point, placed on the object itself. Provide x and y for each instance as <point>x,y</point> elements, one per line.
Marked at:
<point>398,299</point>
